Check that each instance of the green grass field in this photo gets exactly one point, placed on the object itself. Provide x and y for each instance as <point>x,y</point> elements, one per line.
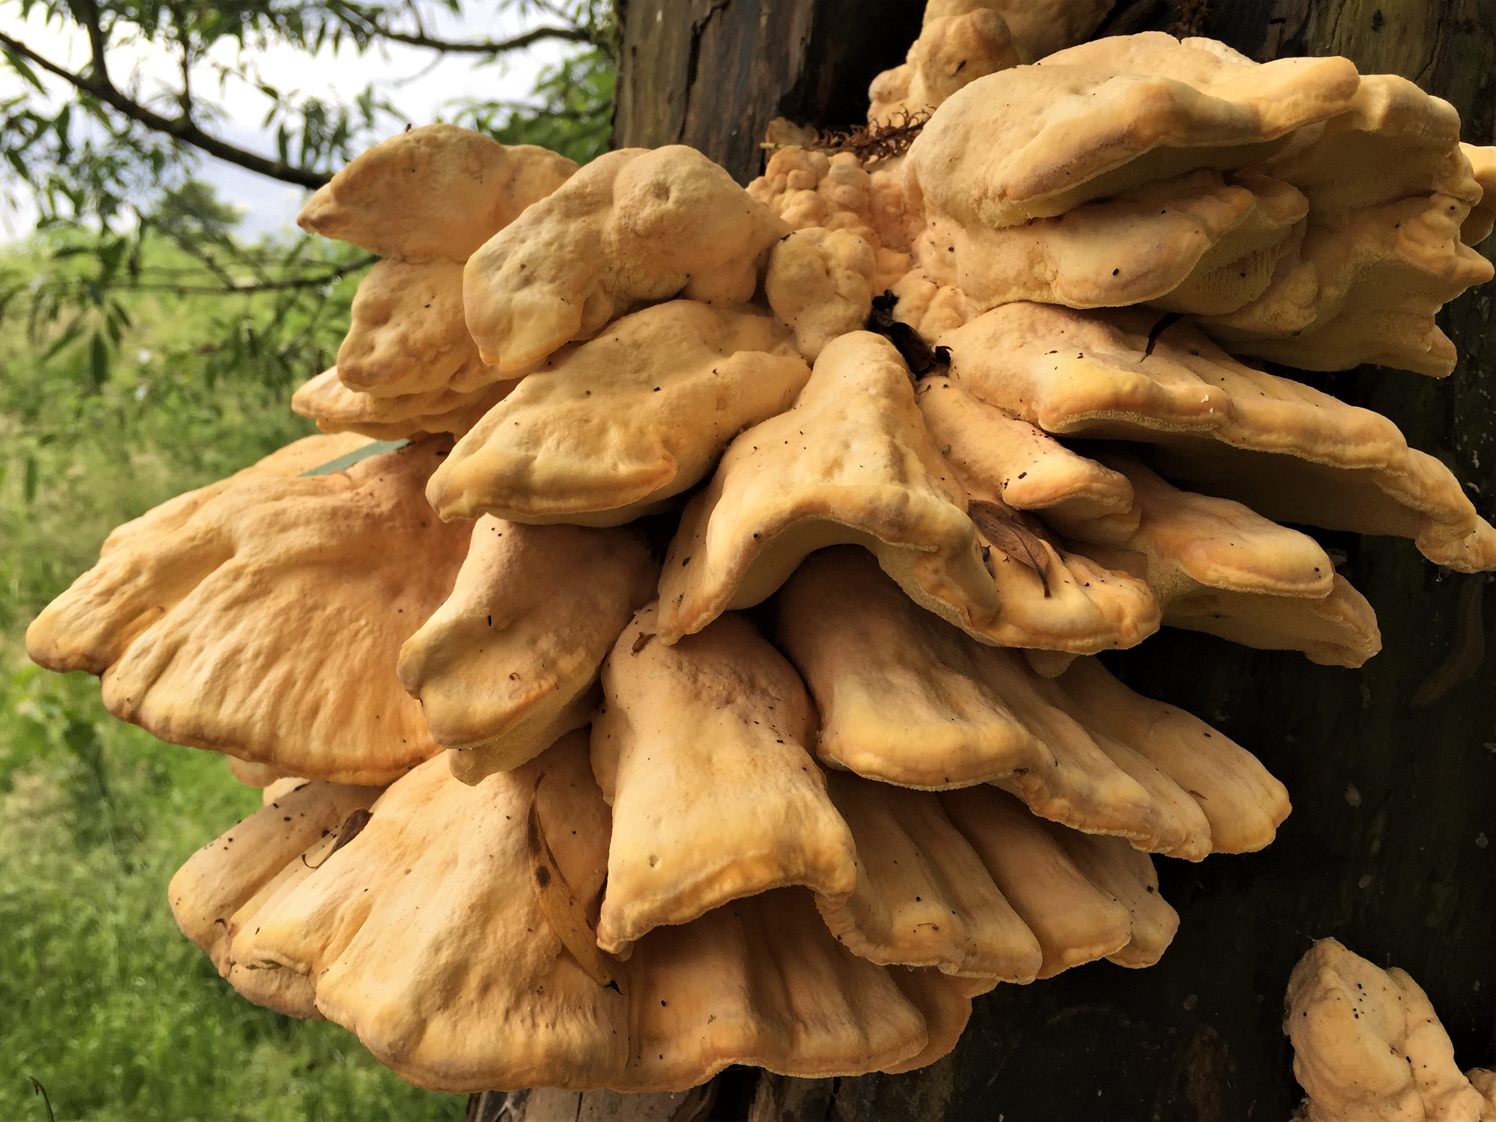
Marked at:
<point>102,1000</point>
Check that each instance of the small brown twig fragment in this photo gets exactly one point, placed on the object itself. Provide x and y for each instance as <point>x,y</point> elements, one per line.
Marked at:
<point>878,140</point>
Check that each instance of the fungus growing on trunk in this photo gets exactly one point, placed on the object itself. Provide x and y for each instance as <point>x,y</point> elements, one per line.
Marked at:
<point>1367,1044</point>
<point>1071,457</point>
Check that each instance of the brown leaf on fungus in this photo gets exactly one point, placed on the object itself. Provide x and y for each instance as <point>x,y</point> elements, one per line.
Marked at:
<point>918,355</point>
<point>566,914</point>
<point>352,825</point>
<point>1002,529</point>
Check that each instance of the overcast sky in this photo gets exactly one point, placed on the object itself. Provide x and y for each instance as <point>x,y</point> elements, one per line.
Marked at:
<point>406,73</point>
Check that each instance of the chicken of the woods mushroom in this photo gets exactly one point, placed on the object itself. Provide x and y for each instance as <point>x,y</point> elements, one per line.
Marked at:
<point>683,648</point>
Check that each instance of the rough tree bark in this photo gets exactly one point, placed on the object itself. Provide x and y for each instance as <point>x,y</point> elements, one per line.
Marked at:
<point>1388,845</point>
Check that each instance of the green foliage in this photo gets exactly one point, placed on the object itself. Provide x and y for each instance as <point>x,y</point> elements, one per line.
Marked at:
<point>146,349</point>
<point>575,114</point>
<point>101,997</point>
<point>108,408</point>
<point>102,1000</point>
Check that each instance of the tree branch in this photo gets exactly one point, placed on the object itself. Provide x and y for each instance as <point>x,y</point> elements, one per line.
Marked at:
<point>98,85</point>
<point>487,47</point>
<point>290,283</point>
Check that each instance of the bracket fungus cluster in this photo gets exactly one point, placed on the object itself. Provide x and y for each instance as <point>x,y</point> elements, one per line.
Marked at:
<point>1368,1046</point>
<point>708,676</point>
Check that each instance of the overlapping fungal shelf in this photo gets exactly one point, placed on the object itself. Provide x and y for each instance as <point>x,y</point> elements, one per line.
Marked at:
<point>1368,1045</point>
<point>709,679</point>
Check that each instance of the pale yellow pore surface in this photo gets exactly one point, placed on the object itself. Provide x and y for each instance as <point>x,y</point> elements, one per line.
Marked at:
<point>701,750</point>
<point>406,334</point>
<point>1073,920</point>
<point>1390,190</point>
<point>1095,120</point>
<point>1216,566</point>
<point>907,699</point>
<point>226,874</point>
<point>1243,803</point>
<point>633,226</point>
<point>467,988</point>
<point>1289,452</point>
<point>851,463</point>
<point>261,616</point>
<point>761,982</point>
<point>1196,242</point>
<point>434,191</point>
<point>1024,466</point>
<point>509,662</point>
<point>619,424</point>
<point>1394,141</point>
<point>1477,225</point>
<point>923,896</point>
<point>1368,1046</point>
<point>337,408</point>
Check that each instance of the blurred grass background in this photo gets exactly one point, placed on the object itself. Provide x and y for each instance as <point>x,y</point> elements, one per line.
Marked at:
<point>102,1000</point>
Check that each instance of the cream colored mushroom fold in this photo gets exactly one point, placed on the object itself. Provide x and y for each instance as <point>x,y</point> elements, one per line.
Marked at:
<point>470,987</point>
<point>335,407</point>
<point>701,749</point>
<point>907,699</point>
<point>223,886</point>
<point>634,226</point>
<point>434,191</point>
<point>261,616</point>
<point>406,334</point>
<point>851,463</point>
<point>1105,117</point>
<point>1289,452</point>
<point>1017,462</point>
<point>1368,1045</point>
<point>509,662</point>
<point>1002,897</point>
<point>614,427</point>
<point>1197,242</point>
<point>1215,566</point>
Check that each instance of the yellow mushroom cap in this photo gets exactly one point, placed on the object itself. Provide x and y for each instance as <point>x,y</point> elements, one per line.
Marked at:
<point>633,226</point>
<point>469,987</point>
<point>612,428</point>
<point>261,616</point>
<point>1288,451</point>
<point>1094,120</point>
<point>1367,1043</point>
<point>701,748</point>
<point>336,407</point>
<point>433,191</point>
<point>406,334</point>
<point>508,663</point>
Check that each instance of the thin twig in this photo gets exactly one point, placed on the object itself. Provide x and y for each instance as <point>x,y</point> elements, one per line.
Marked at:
<point>97,84</point>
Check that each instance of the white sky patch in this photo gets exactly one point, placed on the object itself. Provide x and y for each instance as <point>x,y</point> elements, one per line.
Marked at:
<point>418,82</point>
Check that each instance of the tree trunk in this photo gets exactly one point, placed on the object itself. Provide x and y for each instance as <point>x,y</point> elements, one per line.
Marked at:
<point>1387,848</point>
